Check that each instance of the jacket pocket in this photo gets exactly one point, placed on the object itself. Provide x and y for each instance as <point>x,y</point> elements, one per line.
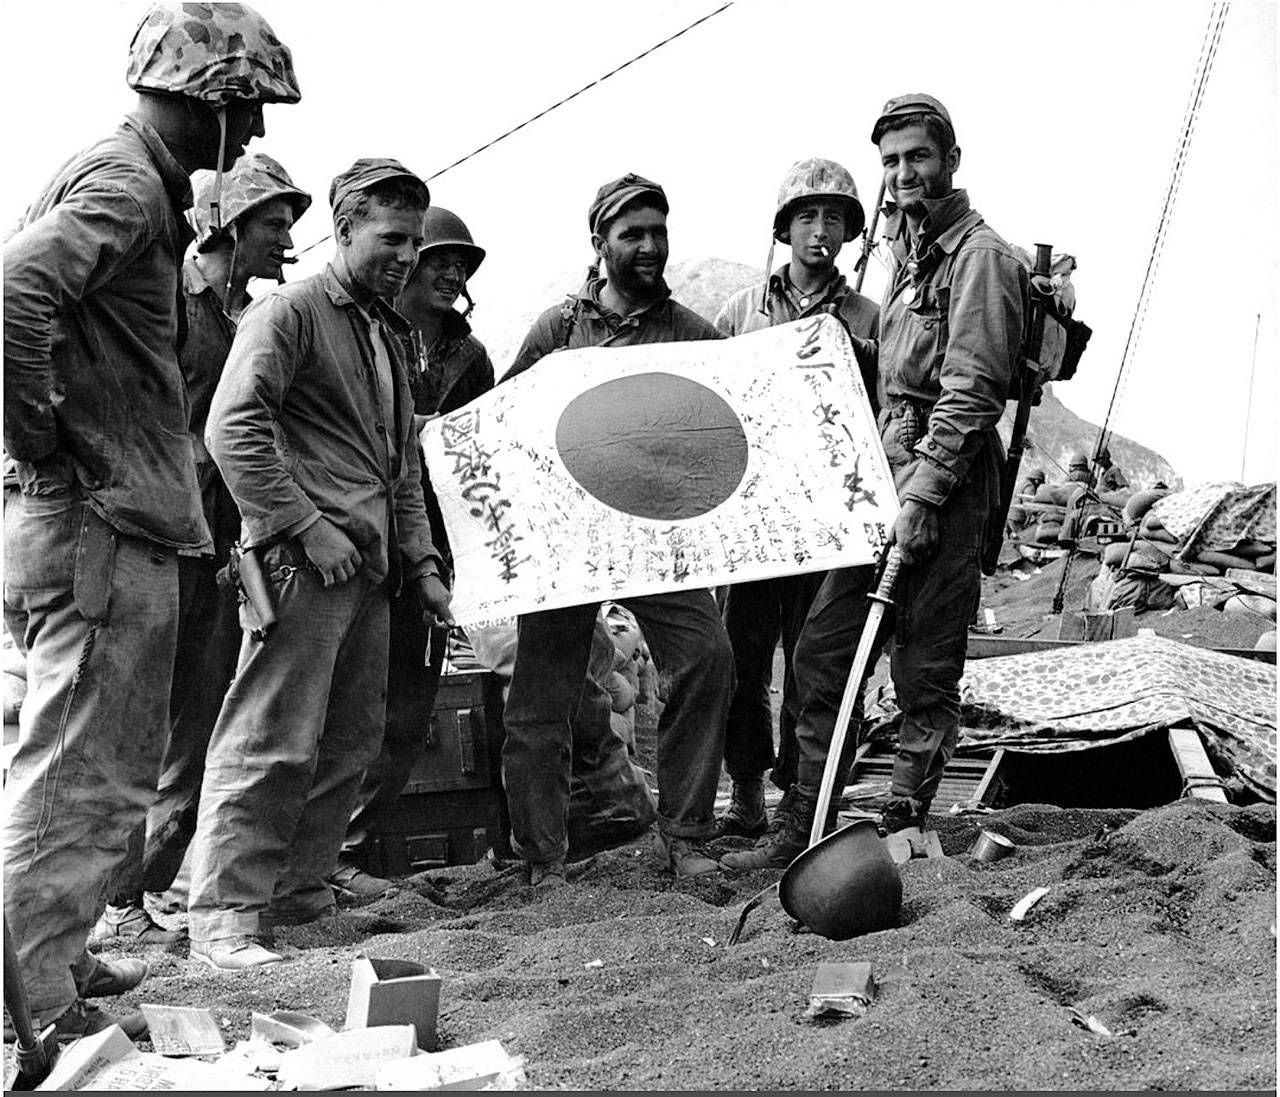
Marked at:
<point>926,321</point>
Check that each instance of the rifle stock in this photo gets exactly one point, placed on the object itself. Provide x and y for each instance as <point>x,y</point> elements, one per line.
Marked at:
<point>868,242</point>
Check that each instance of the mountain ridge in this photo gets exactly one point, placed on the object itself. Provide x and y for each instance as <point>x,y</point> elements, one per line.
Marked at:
<point>1055,433</point>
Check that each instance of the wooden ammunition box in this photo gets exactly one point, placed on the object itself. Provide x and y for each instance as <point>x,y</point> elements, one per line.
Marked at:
<point>451,810</point>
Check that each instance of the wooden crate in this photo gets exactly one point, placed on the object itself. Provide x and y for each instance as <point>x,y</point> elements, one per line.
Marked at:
<point>451,810</point>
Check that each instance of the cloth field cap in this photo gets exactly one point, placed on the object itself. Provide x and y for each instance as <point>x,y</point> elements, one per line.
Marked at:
<point>612,197</point>
<point>916,102</point>
<point>364,173</point>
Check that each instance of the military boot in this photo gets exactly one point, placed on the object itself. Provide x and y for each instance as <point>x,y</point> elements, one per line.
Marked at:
<point>783,810</point>
<point>902,812</point>
<point>780,848</point>
<point>746,816</point>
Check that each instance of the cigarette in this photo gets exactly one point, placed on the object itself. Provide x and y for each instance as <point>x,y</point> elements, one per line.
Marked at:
<point>289,259</point>
<point>826,251</point>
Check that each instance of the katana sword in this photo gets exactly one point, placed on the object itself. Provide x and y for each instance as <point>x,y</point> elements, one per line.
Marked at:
<point>881,598</point>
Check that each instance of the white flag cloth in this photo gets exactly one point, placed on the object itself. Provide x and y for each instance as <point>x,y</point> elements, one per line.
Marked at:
<point>612,472</point>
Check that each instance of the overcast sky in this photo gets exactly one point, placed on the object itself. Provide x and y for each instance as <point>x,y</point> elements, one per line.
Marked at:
<point>1068,116</point>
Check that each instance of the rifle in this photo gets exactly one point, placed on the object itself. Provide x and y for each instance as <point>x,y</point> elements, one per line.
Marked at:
<point>868,241</point>
<point>1030,380</point>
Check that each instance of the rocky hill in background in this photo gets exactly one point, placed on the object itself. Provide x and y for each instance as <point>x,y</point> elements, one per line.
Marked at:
<point>1056,433</point>
<point>704,285</point>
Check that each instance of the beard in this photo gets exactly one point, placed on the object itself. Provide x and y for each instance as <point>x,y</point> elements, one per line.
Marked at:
<point>630,281</point>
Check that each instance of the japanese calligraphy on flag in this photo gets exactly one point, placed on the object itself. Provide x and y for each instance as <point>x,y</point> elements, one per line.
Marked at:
<point>604,473</point>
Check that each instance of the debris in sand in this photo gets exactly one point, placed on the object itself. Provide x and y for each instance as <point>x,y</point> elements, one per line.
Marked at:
<point>485,1065</point>
<point>183,1030</point>
<point>347,1058</point>
<point>711,941</point>
<point>109,1060</point>
<point>1023,905</point>
<point>287,1028</point>
<point>394,992</point>
<point>1089,1021</point>
<point>841,988</point>
<point>591,965</point>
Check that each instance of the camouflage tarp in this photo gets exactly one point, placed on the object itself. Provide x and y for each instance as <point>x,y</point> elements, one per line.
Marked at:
<point>1077,697</point>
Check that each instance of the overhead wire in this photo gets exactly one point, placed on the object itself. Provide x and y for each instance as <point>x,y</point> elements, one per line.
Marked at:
<point>559,103</point>
<point>1204,66</point>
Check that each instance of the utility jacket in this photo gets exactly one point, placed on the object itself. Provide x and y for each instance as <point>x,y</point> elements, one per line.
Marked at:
<point>583,321</point>
<point>950,340</point>
<point>860,315</point>
<point>92,325</point>
<point>452,372</point>
<point>297,426</point>
<point>443,377</point>
<point>204,353</point>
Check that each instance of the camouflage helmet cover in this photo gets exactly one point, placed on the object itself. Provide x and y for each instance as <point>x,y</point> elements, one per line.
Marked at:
<point>254,179</point>
<point>445,229</point>
<point>211,52</point>
<point>815,178</point>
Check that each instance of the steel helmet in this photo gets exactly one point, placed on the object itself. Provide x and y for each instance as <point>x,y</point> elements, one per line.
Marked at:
<point>445,229</point>
<point>211,52</point>
<point>817,178</point>
<point>254,179</point>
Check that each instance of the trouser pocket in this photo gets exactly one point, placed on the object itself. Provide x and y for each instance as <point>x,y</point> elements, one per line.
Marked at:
<point>41,535</point>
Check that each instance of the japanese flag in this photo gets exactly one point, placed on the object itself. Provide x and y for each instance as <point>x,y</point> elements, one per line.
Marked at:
<point>610,472</point>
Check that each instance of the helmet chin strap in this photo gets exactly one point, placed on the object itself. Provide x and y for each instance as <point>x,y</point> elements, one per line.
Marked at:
<point>768,271</point>
<point>215,203</point>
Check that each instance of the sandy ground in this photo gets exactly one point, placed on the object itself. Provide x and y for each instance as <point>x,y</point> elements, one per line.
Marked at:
<point>1161,924</point>
<point>1158,923</point>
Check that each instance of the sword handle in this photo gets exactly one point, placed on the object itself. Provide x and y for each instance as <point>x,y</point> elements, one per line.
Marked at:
<point>891,567</point>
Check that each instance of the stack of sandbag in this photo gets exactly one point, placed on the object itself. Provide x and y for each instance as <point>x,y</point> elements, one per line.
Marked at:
<point>633,678</point>
<point>1049,510</point>
<point>610,801</point>
<point>1210,528</point>
<point>1218,531</point>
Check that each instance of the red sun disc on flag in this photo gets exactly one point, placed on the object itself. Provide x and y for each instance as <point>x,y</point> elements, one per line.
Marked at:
<point>654,445</point>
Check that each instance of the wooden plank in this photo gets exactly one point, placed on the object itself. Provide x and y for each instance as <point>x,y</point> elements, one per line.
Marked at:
<point>1198,778</point>
<point>986,787</point>
<point>991,647</point>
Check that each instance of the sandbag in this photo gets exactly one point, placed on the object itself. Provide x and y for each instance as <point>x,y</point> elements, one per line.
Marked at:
<point>1144,555</point>
<point>1258,604</point>
<point>1139,503</point>
<point>1113,589</point>
<point>1191,567</point>
<point>13,691</point>
<point>1117,498</point>
<point>1046,533</point>
<point>1223,560</point>
<point>1254,550</point>
<point>1153,530</point>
